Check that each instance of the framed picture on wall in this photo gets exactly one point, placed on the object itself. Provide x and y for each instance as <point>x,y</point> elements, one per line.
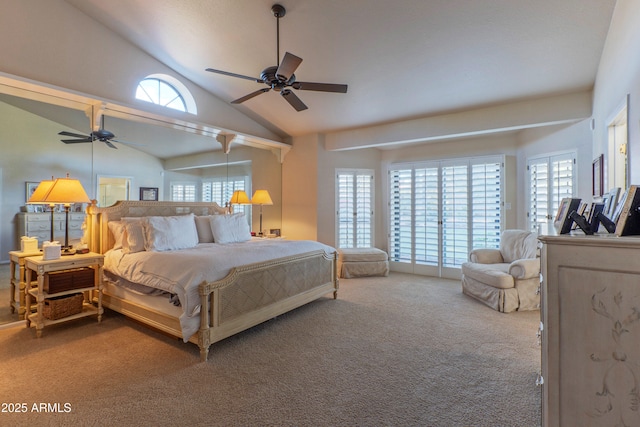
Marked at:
<point>31,187</point>
<point>149,193</point>
<point>597,176</point>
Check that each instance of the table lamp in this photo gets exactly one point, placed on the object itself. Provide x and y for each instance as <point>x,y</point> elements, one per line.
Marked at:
<point>261,197</point>
<point>65,191</point>
<point>239,197</point>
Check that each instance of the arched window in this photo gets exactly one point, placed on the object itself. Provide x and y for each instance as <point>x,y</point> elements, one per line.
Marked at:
<point>166,91</point>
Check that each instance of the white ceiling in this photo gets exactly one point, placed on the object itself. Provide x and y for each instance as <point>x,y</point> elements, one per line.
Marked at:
<point>402,59</point>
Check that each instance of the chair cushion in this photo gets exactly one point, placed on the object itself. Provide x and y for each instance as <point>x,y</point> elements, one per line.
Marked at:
<point>496,275</point>
<point>518,244</point>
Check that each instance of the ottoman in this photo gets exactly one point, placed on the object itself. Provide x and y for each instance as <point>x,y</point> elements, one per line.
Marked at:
<point>361,262</point>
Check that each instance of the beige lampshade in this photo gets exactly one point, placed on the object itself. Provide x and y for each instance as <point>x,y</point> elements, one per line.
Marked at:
<point>66,191</point>
<point>239,197</point>
<point>261,197</point>
<point>41,191</point>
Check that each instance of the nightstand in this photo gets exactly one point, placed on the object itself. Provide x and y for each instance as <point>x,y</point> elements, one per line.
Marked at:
<point>16,258</point>
<point>45,269</point>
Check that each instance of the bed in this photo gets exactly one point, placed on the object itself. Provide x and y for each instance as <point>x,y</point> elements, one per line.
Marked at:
<point>262,279</point>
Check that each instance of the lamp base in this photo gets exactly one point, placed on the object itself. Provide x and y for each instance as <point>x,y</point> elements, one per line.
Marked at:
<point>67,251</point>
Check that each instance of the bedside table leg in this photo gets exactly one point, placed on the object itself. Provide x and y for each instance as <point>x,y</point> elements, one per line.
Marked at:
<point>27,302</point>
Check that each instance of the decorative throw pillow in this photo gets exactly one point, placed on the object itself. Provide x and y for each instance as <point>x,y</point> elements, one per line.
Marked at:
<point>166,233</point>
<point>117,230</point>
<point>203,227</point>
<point>133,237</point>
<point>230,228</point>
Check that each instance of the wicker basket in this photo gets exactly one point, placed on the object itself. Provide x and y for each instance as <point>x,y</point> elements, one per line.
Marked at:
<point>59,307</point>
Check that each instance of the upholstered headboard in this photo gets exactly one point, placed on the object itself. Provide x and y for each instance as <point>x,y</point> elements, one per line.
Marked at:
<point>99,238</point>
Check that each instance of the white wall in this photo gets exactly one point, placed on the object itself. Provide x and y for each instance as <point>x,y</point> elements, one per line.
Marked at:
<point>619,75</point>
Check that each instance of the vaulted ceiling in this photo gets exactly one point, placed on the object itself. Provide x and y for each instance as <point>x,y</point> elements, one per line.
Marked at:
<point>401,59</point>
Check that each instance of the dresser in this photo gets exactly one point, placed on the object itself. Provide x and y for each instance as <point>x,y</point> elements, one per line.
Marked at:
<point>39,225</point>
<point>590,326</point>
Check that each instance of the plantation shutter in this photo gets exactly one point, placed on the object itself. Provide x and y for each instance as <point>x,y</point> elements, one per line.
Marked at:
<point>401,215</point>
<point>550,180</point>
<point>486,185</point>
<point>354,193</point>
<point>426,216</point>
<point>455,215</point>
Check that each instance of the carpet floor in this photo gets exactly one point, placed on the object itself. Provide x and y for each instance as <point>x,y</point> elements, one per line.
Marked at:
<point>398,350</point>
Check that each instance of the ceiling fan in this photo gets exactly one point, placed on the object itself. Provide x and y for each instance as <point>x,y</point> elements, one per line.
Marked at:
<point>280,77</point>
<point>99,135</point>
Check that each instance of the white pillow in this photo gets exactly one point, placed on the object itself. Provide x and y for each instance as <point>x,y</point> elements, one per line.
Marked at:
<point>203,227</point>
<point>133,237</point>
<point>230,228</point>
<point>166,233</point>
<point>117,230</point>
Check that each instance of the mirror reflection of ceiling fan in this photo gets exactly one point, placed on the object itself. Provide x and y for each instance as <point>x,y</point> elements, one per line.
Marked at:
<point>280,77</point>
<point>98,135</point>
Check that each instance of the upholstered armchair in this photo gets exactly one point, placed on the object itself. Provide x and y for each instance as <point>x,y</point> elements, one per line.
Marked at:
<point>505,279</point>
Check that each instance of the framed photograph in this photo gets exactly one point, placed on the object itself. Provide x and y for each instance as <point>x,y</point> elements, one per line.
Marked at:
<point>562,222</point>
<point>149,193</point>
<point>597,176</point>
<point>275,232</point>
<point>31,187</point>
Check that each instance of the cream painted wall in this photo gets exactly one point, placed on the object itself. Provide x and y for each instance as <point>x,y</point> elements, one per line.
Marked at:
<point>300,189</point>
<point>619,75</point>
<point>31,151</point>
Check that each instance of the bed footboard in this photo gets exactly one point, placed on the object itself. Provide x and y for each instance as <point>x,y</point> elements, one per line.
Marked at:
<point>254,293</point>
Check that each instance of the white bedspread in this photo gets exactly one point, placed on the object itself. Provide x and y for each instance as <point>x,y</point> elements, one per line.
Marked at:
<point>182,271</point>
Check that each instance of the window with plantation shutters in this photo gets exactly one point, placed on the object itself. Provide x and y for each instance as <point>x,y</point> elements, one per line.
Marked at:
<point>439,211</point>
<point>220,190</point>
<point>183,192</point>
<point>354,208</point>
<point>551,179</point>
<point>486,208</point>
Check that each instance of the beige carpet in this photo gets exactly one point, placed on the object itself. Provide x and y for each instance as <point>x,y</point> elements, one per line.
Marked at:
<point>402,350</point>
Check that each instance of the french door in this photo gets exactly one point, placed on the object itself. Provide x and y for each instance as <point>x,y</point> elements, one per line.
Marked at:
<point>439,211</point>
<point>551,178</point>
<point>354,208</point>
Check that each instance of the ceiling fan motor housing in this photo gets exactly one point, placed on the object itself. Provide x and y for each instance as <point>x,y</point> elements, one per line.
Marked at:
<point>269,77</point>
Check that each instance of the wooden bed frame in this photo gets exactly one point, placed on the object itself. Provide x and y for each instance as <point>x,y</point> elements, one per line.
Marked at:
<point>229,305</point>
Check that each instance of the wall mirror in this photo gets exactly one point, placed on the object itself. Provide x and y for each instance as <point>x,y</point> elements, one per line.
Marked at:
<point>153,153</point>
<point>113,188</point>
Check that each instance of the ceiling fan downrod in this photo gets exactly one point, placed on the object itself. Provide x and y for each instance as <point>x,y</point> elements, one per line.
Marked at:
<point>278,11</point>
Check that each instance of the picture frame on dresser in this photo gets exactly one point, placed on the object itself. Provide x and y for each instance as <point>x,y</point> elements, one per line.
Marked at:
<point>597,176</point>
<point>563,221</point>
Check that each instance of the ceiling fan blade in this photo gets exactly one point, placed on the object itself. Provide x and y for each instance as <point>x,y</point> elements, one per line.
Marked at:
<point>293,100</point>
<point>288,66</point>
<point>109,144</point>
<point>75,141</point>
<point>320,87</point>
<point>240,76</point>
<point>251,95</point>
<point>77,135</point>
